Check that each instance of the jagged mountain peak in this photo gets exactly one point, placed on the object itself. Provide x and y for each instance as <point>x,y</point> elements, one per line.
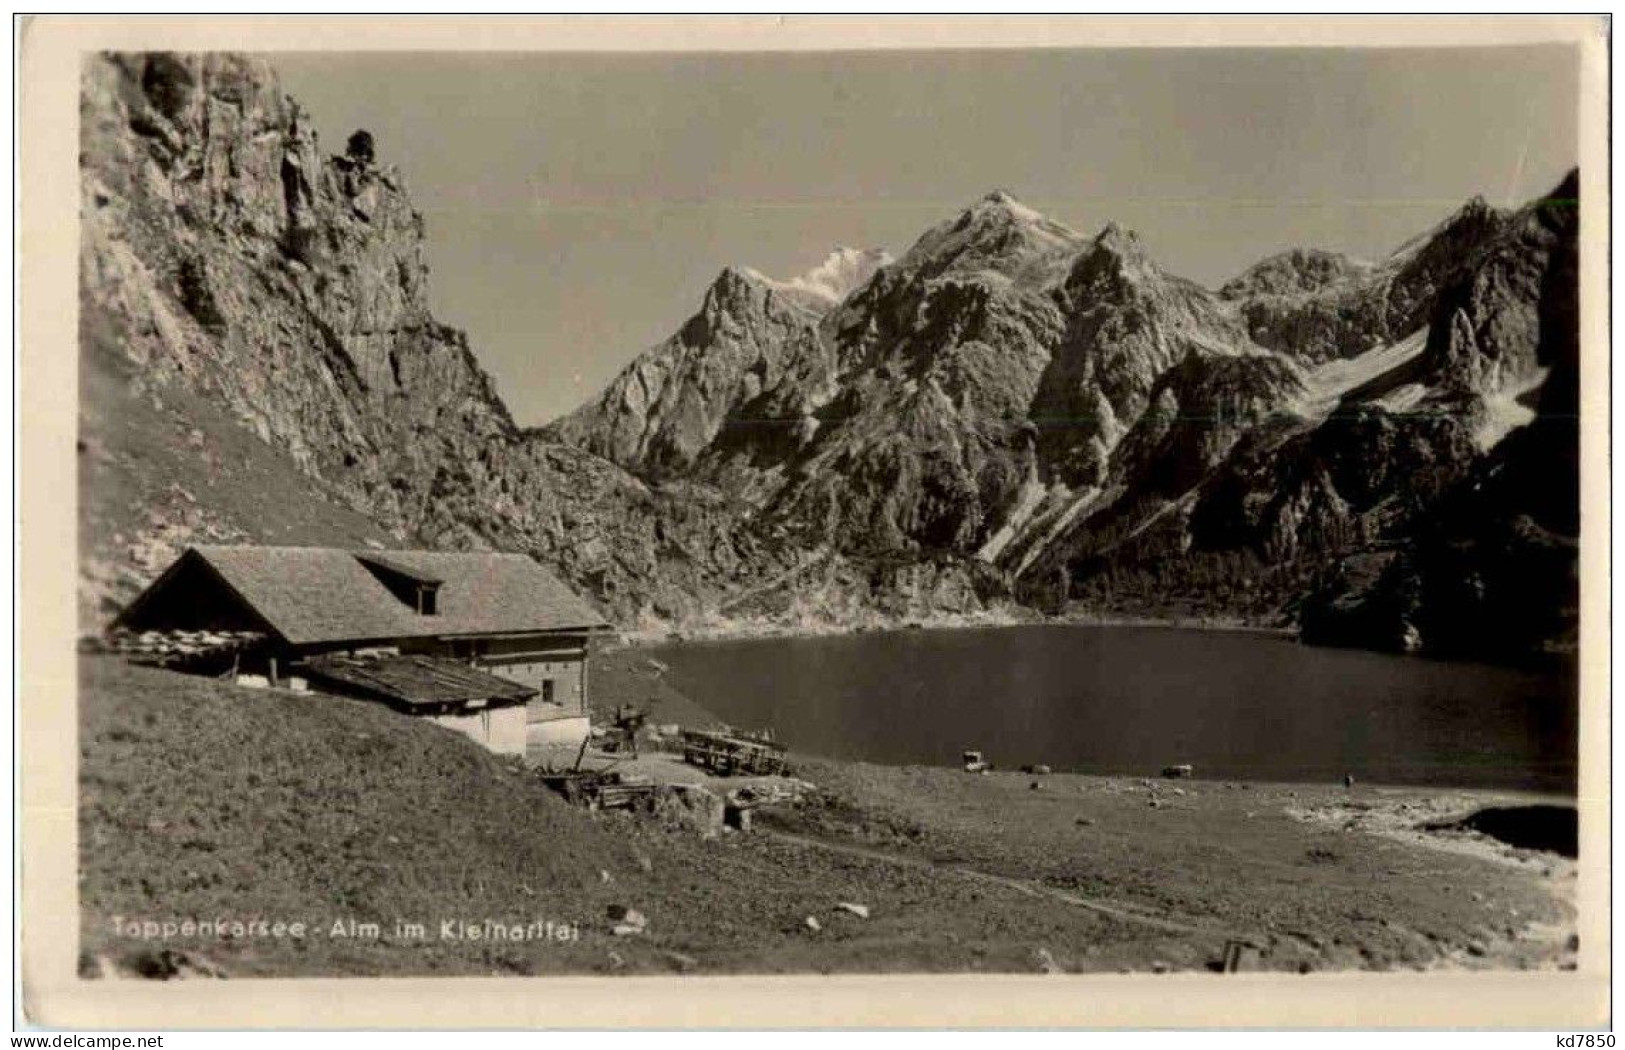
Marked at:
<point>1472,223</point>
<point>1319,306</point>
<point>1568,189</point>
<point>996,233</point>
<point>1474,209</point>
<point>738,290</point>
<point>1004,203</point>
<point>1115,257</point>
<point>732,286</point>
<point>1295,271</point>
<point>740,298</point>
<point>1117,238</point>
<point>1001,207</point>
<point>730,277</point>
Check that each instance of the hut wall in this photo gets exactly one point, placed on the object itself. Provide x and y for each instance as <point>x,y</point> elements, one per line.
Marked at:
<point>555,665</point>
<point>501,730</point>
<point>564,679</point>
<point>556,738</point>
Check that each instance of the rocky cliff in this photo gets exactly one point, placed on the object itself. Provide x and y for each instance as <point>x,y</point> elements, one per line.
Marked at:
<point>235,276</point>
<point>1418,495</point>
<point>1490,563</point>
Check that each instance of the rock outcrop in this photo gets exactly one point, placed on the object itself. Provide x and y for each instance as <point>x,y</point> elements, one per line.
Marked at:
<point>1319,306</point>
<point>668,406</point>
<point>1490,566</point>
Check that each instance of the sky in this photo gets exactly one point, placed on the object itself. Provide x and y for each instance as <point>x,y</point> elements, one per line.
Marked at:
<point>578,205</point>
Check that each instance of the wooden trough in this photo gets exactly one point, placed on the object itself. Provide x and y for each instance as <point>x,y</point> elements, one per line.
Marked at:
<point>727,753</point>
<point>601,790</point>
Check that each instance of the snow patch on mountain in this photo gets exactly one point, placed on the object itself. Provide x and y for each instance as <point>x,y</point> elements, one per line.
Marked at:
<point>1509,408</point>
<point>841,273</point>
<point>1327,384</point>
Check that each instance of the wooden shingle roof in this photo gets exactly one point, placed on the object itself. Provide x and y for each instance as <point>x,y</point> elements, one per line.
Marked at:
<point>418,681</point>
<point>311,595</point>
<point>384,561</point>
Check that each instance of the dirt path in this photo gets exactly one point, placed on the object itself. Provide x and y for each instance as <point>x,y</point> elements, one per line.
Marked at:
<point>1030,889</point>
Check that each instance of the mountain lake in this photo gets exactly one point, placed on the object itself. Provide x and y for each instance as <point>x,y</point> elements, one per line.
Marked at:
<point>1131,700</point>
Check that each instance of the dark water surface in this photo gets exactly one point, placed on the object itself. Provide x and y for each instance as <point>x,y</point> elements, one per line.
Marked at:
<point>1134,699</point>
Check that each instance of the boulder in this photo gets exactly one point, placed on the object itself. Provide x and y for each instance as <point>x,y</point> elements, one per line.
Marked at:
<point>627,921</point>
<point>691,807</point>
<point>169,964</point>
<point>684,963</point>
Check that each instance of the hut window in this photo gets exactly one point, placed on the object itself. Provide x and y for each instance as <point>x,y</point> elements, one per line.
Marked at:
<point>418,591</point>
<point>547,691</point>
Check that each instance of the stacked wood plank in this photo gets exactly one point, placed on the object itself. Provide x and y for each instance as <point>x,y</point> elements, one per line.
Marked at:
<point>176,645</point>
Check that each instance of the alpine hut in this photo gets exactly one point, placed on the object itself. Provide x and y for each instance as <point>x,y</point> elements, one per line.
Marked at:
<point>493,645</point>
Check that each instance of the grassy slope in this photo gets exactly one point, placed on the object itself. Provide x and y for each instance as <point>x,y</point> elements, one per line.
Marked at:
<point>1221,857</point>
<point>158,471</point>
<point>204,799</point>
<point>627,676</point>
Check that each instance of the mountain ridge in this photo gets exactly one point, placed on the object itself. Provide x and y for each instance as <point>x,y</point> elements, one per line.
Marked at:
<point>1038,400</point>
<point>1009,410</point>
